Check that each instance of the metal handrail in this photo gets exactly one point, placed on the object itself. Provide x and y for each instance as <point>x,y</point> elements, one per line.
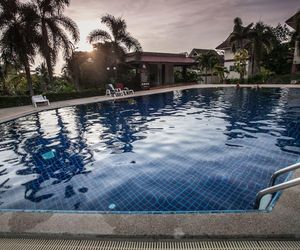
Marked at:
<point>274,189</point>
<point>283,171</point>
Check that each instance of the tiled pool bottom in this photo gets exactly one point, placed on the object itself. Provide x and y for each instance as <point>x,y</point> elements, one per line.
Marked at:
<point>183,152</point>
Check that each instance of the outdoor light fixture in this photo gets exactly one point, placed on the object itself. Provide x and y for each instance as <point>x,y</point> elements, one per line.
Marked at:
<point>108,68</point>
<point>114,68</point>
<point>144,66</point>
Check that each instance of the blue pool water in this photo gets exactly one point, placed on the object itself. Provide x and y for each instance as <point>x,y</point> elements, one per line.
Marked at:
<point>189,151</point>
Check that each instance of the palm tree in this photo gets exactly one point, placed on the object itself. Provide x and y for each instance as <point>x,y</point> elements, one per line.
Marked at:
<point>53,26</point>
<point>72,71</point>
<point>221,72</point>
<point>296,36</point>
<point>239,38</point>
<point>240,63</point>
<point>261,41</point>
<point>120,38</point>
<point>2,79</point>
<point>19,37</point>
<point>207,61</point>
<point>43,76</point>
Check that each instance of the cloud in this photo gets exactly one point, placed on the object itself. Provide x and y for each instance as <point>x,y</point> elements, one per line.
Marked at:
<point>176,25</point>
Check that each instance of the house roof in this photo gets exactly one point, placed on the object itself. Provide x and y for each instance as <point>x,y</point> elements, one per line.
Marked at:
<point>158,57</point>
<point>201,51</point>
<point>225,45</point>
<point>292,20</point>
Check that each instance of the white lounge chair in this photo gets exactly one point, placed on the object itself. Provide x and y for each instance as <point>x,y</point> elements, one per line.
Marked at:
<point>39,99</point>
<point>128,91</point>
<point>112,91</point>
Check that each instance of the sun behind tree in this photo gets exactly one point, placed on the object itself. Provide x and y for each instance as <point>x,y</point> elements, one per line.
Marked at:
<point>120,39</point>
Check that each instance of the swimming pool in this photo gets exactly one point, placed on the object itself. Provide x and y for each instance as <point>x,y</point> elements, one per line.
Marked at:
<point>192,151</point>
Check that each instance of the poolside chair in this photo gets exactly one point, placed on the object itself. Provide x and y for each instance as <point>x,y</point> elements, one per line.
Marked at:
<point>39,99</point>
<point>126,90</point>
<point>112,91</point>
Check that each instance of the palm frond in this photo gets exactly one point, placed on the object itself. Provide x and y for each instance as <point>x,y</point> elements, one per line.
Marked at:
<point>60,39</point>
<point>131,42</point>
<point>69,25</point>
<point>99,35</point>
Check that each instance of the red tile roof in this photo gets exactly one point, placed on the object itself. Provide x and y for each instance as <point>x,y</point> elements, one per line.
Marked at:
<point>157,57</point>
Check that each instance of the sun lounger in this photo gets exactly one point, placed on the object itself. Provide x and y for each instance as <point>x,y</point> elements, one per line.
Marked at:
<point>39,99</point>
<point>112,91</point>
<point>128,91</point>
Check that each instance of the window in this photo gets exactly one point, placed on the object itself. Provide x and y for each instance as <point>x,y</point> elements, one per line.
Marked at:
<point>231,68</point>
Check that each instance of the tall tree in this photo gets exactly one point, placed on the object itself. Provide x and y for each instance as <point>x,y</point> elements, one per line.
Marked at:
<point>54,28</point>
<point>296,37</point>
<point>239,38</point>
<point>240,63</point>
<point>279,57</point>
<point>221,71</point>
<point>71,69</point>
<point>207,61</point>
<point>261,37</point>
<point>20,36</point>
<point>120,38</point>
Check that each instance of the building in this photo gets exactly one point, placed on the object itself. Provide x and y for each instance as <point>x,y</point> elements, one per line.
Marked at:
<point>229,60</point>
<point>209,75</point>
<point>296,61</point>
<point>158,68</point>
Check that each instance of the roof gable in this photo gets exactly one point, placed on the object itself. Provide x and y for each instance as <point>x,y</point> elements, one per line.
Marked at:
<point>292,20</point>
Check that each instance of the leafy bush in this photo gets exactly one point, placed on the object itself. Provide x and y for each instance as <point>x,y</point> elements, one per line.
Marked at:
<point>283,79</point>
<point>13,101</point>
<point>191,76</point>
<point>233,81</point>
<point>255,79</point>
<point>54,97</point>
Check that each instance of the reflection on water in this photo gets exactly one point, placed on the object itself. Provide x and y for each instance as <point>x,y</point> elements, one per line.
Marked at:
<point>181,151</point>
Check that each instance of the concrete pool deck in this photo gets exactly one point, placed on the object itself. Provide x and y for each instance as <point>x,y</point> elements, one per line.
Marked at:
<point>283,222</point>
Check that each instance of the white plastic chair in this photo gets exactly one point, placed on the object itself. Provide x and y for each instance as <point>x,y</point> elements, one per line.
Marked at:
<point>39,99</point>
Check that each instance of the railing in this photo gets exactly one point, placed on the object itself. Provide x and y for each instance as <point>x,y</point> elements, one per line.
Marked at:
<point>272,189</point>
<point>283,171</point>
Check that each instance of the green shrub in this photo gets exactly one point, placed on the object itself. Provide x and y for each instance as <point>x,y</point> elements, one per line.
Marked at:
<point>14,101</point>
<point>54,97</point>
<point>255,79</point>
<point>283,79</point>
<point>233,81</point>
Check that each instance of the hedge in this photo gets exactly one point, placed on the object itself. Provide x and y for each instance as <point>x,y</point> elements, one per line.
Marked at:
<point>14,101</point>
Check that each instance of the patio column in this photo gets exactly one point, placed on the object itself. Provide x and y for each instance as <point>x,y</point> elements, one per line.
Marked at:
<point>296,59</point>
<point>184,69</point>
<point>159,74</point>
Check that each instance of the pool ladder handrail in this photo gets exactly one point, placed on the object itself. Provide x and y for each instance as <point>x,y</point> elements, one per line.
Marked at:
<point>272,188</point>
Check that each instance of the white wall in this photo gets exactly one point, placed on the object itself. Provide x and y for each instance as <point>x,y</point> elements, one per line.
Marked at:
<point>296,54</point>
<point>229,55</point>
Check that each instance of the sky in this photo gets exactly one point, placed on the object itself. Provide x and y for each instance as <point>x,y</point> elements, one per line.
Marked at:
<point>177,25</point>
